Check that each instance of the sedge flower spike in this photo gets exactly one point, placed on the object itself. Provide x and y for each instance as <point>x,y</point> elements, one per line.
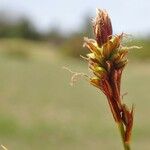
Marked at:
<point>102,27</point>
<point>106,60</point>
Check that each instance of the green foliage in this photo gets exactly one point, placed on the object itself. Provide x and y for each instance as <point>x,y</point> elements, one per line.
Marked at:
<point>144,52</point>
<point>55,37</point>
<point>20,29</point>
<point>73,46</point>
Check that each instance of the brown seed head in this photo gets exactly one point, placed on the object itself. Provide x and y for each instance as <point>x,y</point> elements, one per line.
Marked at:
<point>102,27</point>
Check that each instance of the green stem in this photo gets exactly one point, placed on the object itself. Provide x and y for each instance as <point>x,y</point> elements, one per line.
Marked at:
<point>122,132</point>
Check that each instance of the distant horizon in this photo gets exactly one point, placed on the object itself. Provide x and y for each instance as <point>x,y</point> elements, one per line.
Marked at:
<point>127,16</point>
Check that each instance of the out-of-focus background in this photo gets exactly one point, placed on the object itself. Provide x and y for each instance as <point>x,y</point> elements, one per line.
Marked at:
<point>39,110</point>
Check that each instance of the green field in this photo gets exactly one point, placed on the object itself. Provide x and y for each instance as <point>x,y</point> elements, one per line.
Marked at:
<point>39,110</point>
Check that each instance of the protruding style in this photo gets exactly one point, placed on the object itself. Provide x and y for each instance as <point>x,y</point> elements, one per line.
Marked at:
<point>102,27</point>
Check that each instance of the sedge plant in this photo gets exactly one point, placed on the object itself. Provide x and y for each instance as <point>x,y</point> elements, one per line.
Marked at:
<point>107,60</point>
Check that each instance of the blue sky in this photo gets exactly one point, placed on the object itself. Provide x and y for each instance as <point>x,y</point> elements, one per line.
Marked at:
<point>130,16</point>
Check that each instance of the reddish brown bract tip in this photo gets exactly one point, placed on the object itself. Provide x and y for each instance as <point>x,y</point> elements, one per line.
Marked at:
<point>102,27</point>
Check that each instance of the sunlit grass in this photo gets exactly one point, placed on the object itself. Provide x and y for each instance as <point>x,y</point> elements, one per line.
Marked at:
<point>40,110</point>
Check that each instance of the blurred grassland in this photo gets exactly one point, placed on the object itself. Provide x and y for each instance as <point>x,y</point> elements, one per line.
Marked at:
<point>39,110</point>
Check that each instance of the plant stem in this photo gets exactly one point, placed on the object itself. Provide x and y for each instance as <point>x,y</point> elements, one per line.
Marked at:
<point>122,132</point>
